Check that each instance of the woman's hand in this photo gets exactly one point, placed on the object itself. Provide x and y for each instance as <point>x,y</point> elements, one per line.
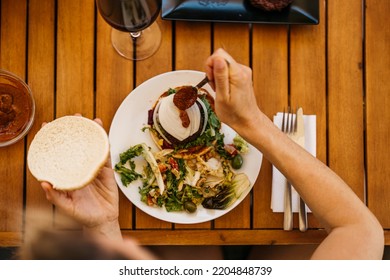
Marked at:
<point>235,102</point>
<point>95,206</point>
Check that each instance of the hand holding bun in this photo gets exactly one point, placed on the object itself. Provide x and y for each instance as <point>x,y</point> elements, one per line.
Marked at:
<point>70,156</point>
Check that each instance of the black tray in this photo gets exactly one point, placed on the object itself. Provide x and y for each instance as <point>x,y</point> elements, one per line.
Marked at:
<point>299,12</point>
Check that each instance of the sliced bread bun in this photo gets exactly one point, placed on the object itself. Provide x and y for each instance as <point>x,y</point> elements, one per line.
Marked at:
<point>68,152</point>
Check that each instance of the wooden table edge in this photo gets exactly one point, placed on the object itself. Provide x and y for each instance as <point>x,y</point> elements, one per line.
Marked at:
<point>210,237</point>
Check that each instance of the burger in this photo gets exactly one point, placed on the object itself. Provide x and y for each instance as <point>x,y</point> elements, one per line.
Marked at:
<point>180,118</point>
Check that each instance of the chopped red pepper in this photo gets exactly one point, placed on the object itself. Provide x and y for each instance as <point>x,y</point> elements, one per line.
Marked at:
<point>173,163</point>
<point>162,167</point>
<point>231,149</point>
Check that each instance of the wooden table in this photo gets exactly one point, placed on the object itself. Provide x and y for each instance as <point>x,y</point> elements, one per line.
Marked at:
<point>338,70</point>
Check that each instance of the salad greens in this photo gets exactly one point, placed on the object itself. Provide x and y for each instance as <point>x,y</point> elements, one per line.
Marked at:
<point>228,195</point>
<point>128,173</point>
<point>240,144</point>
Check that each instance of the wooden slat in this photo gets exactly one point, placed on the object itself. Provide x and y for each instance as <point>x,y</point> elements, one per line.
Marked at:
<point>223,237</point>
<point>345,92</point>
<point>114,81</point>
<point>192,47</point>
<point>10,239</point>
<point>159,63</point>
<point>234,38</point>
<point>13,59</point>
<point>41,58</point>
<point>114,75</point>
<point>308,80</point>
<point>377,108</point>
<point>75,57</point>
<point>75,60</point>
<point>270,81</point>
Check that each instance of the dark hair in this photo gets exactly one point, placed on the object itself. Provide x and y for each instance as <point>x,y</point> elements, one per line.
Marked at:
<point>65,245</point>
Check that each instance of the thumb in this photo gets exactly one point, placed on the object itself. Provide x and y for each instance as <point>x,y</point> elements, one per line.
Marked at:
<point>56,197</point>
<point>221,77</point>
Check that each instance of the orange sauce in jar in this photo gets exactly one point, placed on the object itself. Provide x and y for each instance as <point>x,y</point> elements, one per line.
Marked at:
<point>15,111</point>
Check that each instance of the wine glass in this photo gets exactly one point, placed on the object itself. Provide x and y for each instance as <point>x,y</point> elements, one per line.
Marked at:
<point>134,35</point>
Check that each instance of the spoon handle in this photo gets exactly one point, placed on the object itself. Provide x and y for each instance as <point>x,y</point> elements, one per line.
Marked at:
<point>202,82</point>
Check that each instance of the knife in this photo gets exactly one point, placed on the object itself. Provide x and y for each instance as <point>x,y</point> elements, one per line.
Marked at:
<point>299,137</point>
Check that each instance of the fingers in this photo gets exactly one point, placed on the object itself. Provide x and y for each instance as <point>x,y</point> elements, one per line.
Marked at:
<point>52,195</point>
<point>97,120</point>
<point>221,77</point>
<point>108,162</point>
<point>223,72</point>
<point>48,189</point>
<point>217,70</point>
<point>221,52</point>
<point>210,62</point>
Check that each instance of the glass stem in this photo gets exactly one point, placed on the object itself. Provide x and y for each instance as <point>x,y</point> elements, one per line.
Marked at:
<point>135,35</point>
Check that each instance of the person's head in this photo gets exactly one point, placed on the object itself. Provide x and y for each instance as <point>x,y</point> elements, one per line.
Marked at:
<point>50,244</point>
<point>66,241</point>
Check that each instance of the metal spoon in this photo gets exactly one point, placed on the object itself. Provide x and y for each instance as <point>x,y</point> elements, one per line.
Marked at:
<point>202,83</point>
<point>194,89</point>
<point>186,96</point>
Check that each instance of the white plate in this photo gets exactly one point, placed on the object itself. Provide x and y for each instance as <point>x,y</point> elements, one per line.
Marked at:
<point>125,131</point>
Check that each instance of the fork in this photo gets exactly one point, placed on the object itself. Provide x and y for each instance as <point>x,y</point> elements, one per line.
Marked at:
<point>288,127</point>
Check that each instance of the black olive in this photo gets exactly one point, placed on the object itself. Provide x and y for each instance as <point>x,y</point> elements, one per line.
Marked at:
<point>208,203</point>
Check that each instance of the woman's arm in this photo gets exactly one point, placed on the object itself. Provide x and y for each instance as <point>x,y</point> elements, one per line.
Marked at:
<point>353,231</point>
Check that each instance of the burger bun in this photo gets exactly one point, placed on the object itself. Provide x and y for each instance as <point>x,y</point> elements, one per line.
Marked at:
<point>68,152</point>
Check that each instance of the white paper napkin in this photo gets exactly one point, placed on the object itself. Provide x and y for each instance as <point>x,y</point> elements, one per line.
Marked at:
<point>278,180</point>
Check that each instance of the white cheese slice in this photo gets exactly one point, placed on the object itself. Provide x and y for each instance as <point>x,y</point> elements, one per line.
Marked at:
<point>169,117</point>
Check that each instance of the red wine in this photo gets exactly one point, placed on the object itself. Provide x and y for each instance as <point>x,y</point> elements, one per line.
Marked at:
<point>129,15</point>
